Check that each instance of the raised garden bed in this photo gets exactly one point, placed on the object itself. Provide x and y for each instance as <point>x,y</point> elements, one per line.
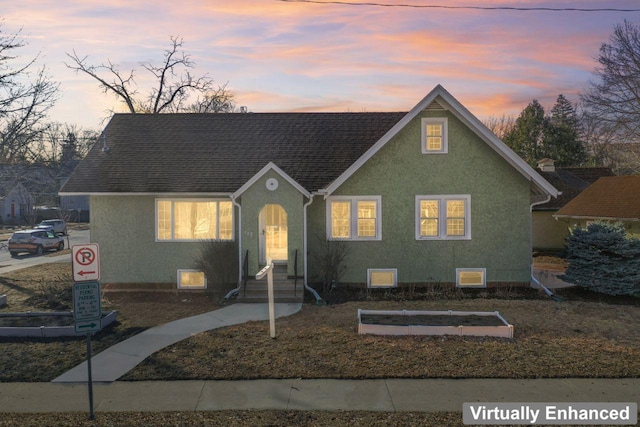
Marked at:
<point>462,323</point>
<point>44,324</point>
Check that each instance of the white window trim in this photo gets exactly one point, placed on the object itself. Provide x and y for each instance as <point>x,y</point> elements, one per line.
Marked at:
<point>442,216</point>
<point>484,277</point>
<point>354,217</point>
<point>382,270</point>
<point>445,135</point>
<point>177,199</point>
<point>190,271</point>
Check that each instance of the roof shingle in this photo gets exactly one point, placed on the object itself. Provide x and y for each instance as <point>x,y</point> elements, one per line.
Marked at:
<point>614,197</point>
<point>218,153</point>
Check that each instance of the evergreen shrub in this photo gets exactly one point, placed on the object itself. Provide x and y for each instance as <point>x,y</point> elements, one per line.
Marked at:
<point>603,259</point>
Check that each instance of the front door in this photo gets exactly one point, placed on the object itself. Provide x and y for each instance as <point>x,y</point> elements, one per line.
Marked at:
<point>273,234</point>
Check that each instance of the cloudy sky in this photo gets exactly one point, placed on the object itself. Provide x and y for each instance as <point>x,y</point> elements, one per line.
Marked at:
<point>304,56</point>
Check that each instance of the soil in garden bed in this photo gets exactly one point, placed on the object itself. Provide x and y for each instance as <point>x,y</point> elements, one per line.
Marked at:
<point>35,321</point>
<point>429,320</point>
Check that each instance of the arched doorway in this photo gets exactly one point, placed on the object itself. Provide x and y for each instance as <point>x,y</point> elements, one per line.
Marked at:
<point>273,234</point>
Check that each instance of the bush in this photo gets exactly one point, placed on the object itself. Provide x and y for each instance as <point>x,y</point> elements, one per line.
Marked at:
<point>602,258</point>
<point>330,258</point>
<point>219,261</point>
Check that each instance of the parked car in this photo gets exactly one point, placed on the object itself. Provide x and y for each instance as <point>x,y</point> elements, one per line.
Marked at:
<point>58,226</point>
<point>35,242</point>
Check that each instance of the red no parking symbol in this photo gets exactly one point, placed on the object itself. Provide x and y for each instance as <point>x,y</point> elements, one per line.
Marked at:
<point>85,256</point>
<point>85,262</point>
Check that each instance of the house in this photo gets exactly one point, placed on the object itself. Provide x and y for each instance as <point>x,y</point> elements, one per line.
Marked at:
<point>424,196</point>
<point>549,233</point>
<point>613,199</point>
<point>16,203</point>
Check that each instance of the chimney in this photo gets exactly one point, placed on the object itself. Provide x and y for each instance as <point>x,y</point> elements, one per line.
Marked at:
<point>547,165</point>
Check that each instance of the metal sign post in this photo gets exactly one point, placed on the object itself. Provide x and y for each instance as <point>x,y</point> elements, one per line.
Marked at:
<point>268,271</point>
<point>87,300</point>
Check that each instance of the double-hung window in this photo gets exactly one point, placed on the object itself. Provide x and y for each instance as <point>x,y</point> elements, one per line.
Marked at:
<point>354,218</point>
<point>194,219</point>
<point>434,136</point>
<point>443,217</point>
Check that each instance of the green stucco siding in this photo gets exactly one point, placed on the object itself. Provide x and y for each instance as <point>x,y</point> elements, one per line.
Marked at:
<point>500,216</point>
<point>124,227</point>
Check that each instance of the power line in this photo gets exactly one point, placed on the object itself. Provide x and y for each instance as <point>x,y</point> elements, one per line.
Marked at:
<point>488,8</point>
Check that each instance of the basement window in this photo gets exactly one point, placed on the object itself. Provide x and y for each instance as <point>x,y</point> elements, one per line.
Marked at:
<point>191,279</point>
<point>471,277</point>
<point>382,277</point>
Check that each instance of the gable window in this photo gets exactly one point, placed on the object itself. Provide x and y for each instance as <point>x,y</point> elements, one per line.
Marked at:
<point>353,218</point>
<point>194,219</point>
<point>443,217</point>
<point>434,136</point>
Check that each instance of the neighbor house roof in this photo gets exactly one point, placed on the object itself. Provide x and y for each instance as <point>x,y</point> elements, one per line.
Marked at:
<point>570,182</point>
<point>614,198</point>
<point>219,153</point>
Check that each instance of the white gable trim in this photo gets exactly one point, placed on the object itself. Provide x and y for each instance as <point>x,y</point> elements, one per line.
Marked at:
<point>270,166</point>
<point>447,101</point>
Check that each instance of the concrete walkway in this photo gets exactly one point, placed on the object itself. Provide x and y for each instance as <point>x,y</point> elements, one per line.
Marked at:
<point>294,394</point>
<point>114,362</point>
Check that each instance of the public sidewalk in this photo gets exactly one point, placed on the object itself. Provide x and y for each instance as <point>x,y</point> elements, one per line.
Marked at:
<point>326,395</point>
<point>115,361</point>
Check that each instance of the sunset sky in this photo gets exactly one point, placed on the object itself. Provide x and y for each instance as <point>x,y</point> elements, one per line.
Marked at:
<point>294,56</point>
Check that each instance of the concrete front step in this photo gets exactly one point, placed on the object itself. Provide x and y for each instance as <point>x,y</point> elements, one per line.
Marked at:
<point>256,291</point>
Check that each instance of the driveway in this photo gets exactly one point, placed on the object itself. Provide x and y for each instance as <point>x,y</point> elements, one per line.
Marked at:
<point>7,263</point>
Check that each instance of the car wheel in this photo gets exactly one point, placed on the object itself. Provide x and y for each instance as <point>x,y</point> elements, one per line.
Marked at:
<point>60,246</point>
<point>39,250</point>
<point>14,254</point>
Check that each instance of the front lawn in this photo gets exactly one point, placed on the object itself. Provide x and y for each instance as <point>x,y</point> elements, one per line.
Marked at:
<point>583,336</point>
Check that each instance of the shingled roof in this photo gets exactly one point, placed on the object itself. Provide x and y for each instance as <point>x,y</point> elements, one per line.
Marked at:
<point>218,153</point>
<point>614,197</point>
<point>571,182</point>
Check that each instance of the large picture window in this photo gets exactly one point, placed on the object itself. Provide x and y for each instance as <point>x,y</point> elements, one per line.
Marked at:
<point>194,219</point>
<point>354,218</point>
<point>443,217</point>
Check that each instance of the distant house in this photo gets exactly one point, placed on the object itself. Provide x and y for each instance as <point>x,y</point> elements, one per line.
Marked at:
<point>16,203</point>
<point>425,196</point>
<point>614,198</point>
<point>548,232</point>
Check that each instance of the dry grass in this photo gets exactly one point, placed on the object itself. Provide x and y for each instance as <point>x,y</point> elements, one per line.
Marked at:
<point>552,339</point>
<point>580,337</point>
<point>237,419</point>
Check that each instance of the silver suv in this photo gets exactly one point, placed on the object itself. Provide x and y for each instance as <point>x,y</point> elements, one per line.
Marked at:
<point>58,226</point>
<point>35,242</point>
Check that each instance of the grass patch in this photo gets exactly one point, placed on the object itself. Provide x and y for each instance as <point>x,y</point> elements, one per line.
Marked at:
<point>238,419</point>
<point>587,335</point>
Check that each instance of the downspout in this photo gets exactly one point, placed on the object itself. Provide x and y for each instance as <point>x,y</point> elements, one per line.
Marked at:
<point>304,248</point>
<point>533,279</point>
<point>236,290</point>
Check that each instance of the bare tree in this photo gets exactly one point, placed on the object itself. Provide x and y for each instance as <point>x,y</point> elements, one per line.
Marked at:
<point>614,97</point>
<point>175,85</point>
<point>500,126</point>
<point>25,98</point>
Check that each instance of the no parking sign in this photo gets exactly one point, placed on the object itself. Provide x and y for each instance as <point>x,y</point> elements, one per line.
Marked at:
<point>85,262</point>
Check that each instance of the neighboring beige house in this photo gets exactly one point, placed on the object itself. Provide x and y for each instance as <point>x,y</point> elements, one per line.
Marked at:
<point>614,198</point>
<point>548,232</point>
